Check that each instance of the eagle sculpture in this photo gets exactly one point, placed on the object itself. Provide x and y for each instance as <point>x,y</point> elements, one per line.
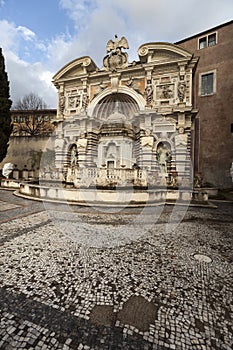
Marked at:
<point>117,45</point>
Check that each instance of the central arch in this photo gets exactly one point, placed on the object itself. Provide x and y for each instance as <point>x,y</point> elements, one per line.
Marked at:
<point>105,107</point>
<point>129,100</point>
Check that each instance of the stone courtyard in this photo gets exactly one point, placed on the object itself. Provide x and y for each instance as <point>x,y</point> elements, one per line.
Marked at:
<point>91,278</point>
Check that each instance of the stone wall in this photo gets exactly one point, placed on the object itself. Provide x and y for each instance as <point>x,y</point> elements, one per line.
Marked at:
<point>25,150</point>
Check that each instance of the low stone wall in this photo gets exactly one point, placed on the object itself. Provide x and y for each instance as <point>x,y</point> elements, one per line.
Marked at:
<point>119,197</point>
<point>25,151</point>
<point>9,184</point>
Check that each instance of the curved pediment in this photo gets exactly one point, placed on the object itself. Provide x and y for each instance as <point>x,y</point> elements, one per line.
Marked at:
<point>161,52</point>
<point>75,68</point>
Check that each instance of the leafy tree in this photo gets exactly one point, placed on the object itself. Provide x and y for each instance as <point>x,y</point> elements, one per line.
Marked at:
<point>30,102</point>
<point>5,105</point>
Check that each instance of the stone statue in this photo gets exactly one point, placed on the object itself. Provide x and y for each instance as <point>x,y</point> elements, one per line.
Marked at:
<point>149,93</point>
<point>85,102</point>
<point>73,157</point>
<point>116,58</point>
<point>163,157</point>
<point>62,103</point>
<point>147,140</point>
<point>134,85</point>
<point>7,169</point>
<point>198,180</point>
<point>181,90</point>
<point>117,45</point>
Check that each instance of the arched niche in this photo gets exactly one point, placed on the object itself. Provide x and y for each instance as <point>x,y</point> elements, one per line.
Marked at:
<point>129,103</point>
<point>72,155</point>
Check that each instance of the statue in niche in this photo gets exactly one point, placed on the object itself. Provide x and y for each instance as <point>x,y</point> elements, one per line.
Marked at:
<point>147,140</point>
<point>163,157</point>
<point>149,93</point>
<point>166,92</point>
<point>181,90</point>
<point>73,156</point>
<point>116,58</point>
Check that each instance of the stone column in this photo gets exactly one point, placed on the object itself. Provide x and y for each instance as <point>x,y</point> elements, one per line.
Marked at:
<point>183,162</point>
<point>147,143</point>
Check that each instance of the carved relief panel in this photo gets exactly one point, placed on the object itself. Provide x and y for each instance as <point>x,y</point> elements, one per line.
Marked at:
<point>165,91</point>
<point>73,99</point>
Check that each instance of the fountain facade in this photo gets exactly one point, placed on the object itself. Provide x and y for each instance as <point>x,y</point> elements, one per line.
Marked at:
<point>125,125</point>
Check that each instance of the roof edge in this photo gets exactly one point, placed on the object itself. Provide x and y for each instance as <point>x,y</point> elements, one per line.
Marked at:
<point>204,32</point>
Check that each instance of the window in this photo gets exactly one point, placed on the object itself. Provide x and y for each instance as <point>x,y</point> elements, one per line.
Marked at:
<point>207,83</point>
<point>202,43</point>
<point>208,40</point>
<point>15,119</point>
<point>21,119</point>
<point>212,39</point>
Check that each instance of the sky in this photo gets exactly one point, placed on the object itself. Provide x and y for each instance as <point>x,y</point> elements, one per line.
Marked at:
<point>39,37</point>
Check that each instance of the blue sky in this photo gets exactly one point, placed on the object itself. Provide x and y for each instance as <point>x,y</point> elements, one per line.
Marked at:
<point>38,37</point>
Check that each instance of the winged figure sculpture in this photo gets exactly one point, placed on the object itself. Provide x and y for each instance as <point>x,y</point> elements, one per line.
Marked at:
<point>116,45</point>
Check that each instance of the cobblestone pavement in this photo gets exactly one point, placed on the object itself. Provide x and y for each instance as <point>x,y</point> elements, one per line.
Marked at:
<point>86,279</point>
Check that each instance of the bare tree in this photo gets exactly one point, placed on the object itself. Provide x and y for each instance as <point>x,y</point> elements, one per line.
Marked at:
<point>32,117</point>
<point>33,123</point>
<point>30,102</point>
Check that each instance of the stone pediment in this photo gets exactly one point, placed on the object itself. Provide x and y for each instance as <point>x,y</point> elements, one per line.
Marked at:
<point>163,55</point>
<point>162,52</point>
<point>75,68</point>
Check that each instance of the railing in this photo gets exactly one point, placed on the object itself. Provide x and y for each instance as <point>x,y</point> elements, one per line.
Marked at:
<point>110,177</point>
<point>114,174</point>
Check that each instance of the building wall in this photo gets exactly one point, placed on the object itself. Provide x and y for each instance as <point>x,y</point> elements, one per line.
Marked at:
<point>30,134</point>
<point>24,150</point>
<point>214,137</point>
<point>33,122</point>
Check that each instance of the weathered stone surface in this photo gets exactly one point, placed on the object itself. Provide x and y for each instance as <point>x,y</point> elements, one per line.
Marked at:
<point>142,291</point>
<point>139,313</point>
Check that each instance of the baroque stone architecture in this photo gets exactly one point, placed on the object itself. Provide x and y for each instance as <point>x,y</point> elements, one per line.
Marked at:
<point>126,123</point>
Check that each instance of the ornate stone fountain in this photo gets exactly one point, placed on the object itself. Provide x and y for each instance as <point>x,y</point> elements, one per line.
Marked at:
<point>123,131</point>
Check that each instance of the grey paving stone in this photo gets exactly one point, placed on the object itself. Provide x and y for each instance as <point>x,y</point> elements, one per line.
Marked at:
<point>53,284</point>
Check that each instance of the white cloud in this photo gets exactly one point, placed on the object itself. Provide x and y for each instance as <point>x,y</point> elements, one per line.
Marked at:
<point>26,33</point>
<point>79,11</point>
<point>25,77</point>
<point>95,22</point>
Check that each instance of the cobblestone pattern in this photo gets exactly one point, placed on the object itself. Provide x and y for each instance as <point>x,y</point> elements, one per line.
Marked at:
<point>51,284</point>
<point>19,206</point>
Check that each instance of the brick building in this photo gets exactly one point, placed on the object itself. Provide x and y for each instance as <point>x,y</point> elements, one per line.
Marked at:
<point>33,122</point>
<point>213,97</point>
